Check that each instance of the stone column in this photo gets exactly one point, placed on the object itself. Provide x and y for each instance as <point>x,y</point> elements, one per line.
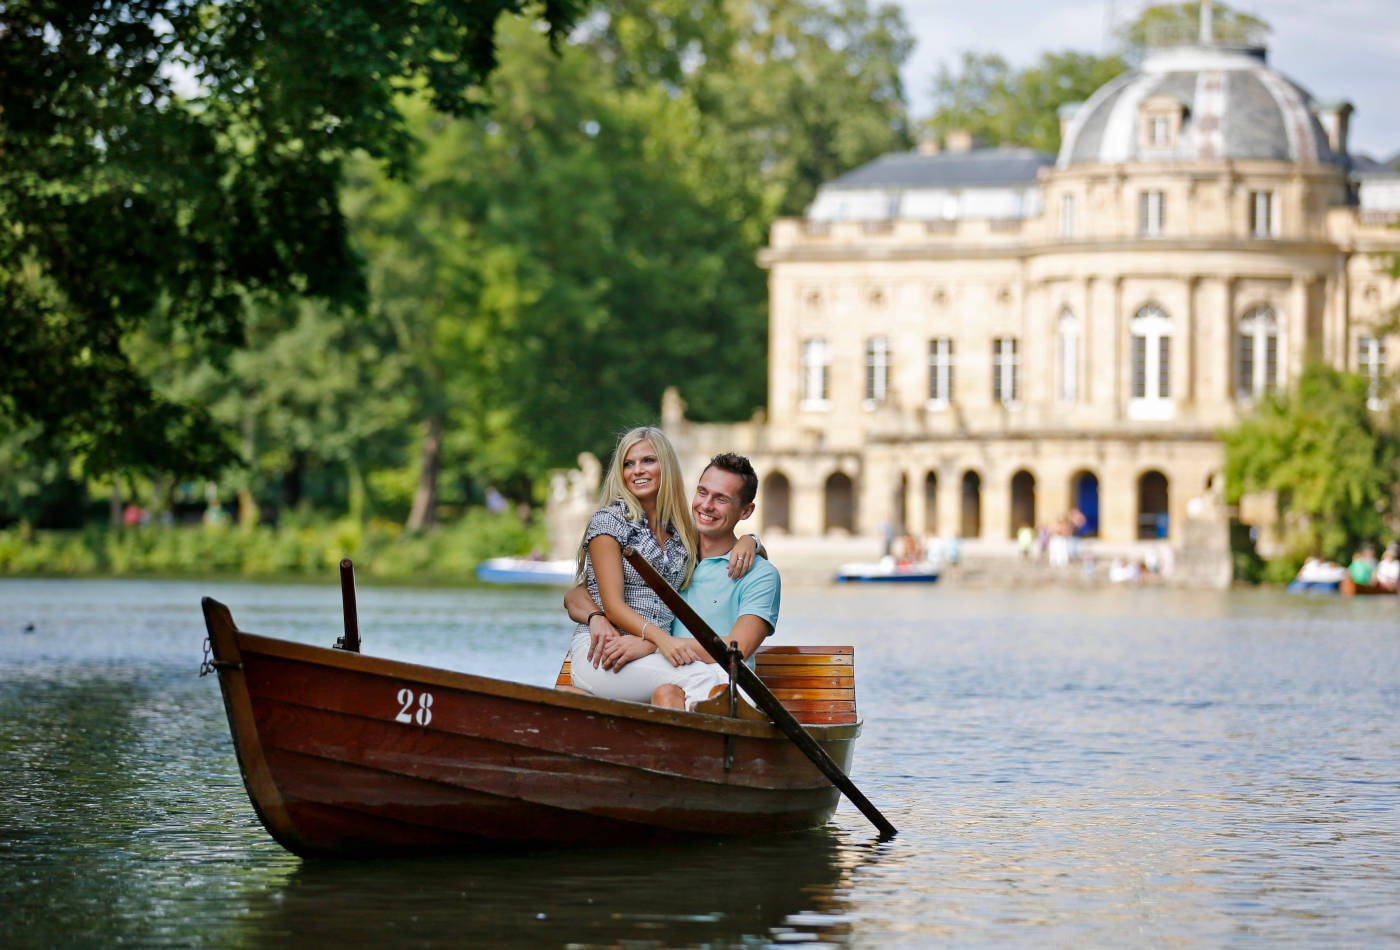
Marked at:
<point>1297,329</point>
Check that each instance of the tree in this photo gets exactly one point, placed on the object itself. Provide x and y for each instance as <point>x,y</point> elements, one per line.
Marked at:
<point>1172,24</point>
<point>173,159</point>
<point>1006,106</point>
<point>1330,460</point>
<point>800,91</point>
<point>553,267</point>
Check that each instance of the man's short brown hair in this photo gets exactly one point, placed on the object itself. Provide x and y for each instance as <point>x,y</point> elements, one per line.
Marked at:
<point>737,465</point>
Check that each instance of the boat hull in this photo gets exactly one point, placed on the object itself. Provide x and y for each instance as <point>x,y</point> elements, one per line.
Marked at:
<point>882,574</point>
<point>346,754</point>
<point>517,570</point>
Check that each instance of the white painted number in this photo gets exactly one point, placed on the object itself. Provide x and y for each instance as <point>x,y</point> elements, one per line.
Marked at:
<point>422,715</point>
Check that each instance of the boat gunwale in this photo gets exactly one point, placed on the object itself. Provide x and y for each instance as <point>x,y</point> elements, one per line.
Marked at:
<point>471,682</point>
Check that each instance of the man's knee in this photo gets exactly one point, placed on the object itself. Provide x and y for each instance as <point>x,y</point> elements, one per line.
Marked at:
<point>670,696</point>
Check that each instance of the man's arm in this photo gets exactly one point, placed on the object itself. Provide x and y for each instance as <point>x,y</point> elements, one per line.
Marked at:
<point>579,604</point>
<point>749,633</point>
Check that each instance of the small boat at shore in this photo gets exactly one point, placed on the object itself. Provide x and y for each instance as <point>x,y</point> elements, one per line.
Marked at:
<point>1350,588</point>
<point>889,571</point>
<point>347,754</point>
<point>521,570</point>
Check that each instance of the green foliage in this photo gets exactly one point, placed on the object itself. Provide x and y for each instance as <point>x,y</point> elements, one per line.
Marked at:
<point>285,267</point>
<point>174,158</point>
<point>794,92</point>
<point>379,549</point>
<point>1332,464</point>
<point>1005,106</point>
<point>1173,24</point>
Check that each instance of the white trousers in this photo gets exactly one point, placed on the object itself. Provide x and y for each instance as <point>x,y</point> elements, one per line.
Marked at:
<point>639,679</point>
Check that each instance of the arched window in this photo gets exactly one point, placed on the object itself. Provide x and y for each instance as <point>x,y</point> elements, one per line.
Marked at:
<point>1370,362</point>
<point>1084,489</point>
<point>1151,332</point>
<point>840,503</point>
<point>777,502</point>
<point>1256,354</point>
<point>1152,506</point>
<point>971,521</point>
<point>1022,502</point>
<point>931,503</point>
<point>1067,357</point>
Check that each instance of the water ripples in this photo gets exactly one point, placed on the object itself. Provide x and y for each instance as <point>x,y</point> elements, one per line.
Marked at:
<point>1135,769</point>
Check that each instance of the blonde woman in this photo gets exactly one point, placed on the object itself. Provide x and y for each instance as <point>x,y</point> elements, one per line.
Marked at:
<point>643,505</point>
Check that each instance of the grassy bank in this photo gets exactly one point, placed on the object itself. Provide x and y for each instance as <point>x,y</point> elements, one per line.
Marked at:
<point>312,548</point>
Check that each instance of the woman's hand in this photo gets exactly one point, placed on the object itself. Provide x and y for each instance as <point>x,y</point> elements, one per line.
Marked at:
<point>678,651</point>
<point>620,651</point>
<point>741,557</point>
<point>601,632</point>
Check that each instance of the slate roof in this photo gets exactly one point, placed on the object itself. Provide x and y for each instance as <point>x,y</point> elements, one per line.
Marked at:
<point>983,167</point>
<point>1236,107</point>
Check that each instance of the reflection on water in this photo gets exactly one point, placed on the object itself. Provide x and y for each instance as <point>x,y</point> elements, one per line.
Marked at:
<point>713,893</point>
<point>1121,768</point>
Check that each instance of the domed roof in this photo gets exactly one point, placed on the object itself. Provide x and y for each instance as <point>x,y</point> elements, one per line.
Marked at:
<point>1233,106</point>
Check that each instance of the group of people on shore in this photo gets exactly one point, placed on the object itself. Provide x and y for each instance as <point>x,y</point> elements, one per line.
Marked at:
<point>627,643</point>
<point>1364,570</point>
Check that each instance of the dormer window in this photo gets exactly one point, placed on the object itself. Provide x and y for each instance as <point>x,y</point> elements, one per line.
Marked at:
<point>1159,131</point>
<point>1159,123</point>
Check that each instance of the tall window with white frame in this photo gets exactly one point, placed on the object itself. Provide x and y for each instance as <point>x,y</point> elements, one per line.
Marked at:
<point>1261,214</point>
<point>816,374</point>
<point>1150,361</point>
<point>1256,354</point>
<point>877,370</point>
<point>1067,216</point>
<point>940,372</point>
<point>1006,383</point>
<point>1067,358</point>
<point>1151,213</point>
<point>1370,361</point>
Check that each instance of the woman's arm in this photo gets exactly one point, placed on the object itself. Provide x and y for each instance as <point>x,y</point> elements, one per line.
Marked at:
<point>606,555</point>
<point>741,558</point>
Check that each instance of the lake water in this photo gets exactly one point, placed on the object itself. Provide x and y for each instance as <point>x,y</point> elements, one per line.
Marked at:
<point>1067,769</point>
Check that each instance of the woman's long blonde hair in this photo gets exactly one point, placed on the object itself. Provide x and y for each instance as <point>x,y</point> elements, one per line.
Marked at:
<point>672,507</point>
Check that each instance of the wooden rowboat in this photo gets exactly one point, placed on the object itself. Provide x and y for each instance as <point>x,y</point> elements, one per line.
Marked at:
<point>347,754</point>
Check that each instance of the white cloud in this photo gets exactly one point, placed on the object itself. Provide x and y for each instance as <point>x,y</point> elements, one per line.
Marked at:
<point>1343,49</point>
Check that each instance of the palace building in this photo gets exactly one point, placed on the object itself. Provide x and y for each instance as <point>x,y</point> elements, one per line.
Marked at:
<point>963,340</point>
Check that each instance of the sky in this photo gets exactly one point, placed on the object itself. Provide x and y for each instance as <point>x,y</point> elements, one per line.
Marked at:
<point>1336,49</point>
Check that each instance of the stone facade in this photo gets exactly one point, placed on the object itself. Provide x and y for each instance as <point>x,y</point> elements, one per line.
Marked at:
<point>962,342</point>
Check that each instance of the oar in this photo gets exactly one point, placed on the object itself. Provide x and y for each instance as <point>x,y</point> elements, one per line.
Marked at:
<point>759,692</point>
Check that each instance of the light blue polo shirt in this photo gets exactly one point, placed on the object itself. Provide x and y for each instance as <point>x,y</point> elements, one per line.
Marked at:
<point>720,602</point>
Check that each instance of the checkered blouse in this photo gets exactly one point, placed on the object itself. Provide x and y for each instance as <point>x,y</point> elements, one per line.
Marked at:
<point>669,562</point>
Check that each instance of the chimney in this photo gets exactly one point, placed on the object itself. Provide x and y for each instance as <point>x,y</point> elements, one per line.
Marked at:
<point>1335,118</point>
<point>958,140</point>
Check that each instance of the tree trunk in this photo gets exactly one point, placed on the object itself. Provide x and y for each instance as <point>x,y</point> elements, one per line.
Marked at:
<point>424,513</point>
<point>114,503</point>
<point>248,513</point>
<point>359,493</point>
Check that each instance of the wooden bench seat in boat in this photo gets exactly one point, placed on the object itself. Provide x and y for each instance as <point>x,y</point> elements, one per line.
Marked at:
<point>816,683</point>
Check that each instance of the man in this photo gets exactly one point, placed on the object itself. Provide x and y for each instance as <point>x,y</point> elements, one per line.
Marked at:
<point>747,608</point>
